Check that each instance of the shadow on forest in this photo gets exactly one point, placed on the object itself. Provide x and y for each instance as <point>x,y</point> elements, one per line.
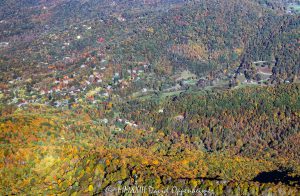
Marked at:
<point>277,176</point>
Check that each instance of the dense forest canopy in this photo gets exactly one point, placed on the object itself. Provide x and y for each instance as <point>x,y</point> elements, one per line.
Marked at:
<point>99,95</point>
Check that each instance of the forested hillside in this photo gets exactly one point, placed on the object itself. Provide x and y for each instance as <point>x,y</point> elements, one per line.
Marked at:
<point>200,140</point>
<point>100,96</point>
<point>277,42</point>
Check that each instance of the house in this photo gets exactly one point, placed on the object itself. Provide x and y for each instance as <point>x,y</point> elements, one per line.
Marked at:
<point>252,82</point>
<point>72,88</point>
<point>57,89</point>
<point>121,19</point>
<point>101,40</point>
<point>67,59</point>
<point>42,92</point>
<point>161,111</point>
<point>179,117</point>
<point>104,120</point>
<point>4,44</point>
<point>118,129</point>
